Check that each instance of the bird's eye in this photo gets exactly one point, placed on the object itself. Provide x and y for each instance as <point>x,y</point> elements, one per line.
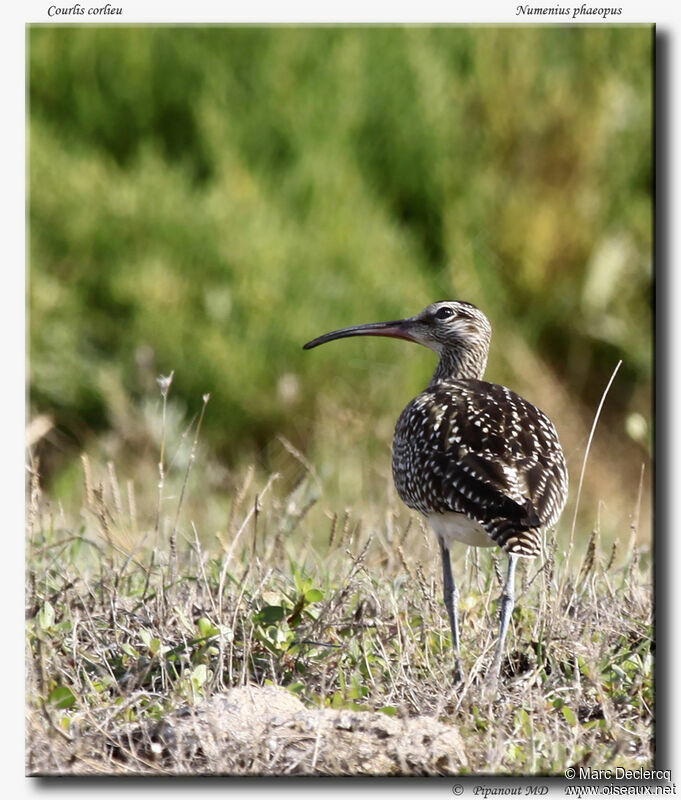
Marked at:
<point>444,313</point>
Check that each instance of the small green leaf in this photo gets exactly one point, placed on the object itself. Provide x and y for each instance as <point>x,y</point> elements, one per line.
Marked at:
<point>199,675</point>
<point>61,697</point>
<point>155,645</point>
<point>524,722</point>
<point>206,627</point>
<point>569,715</point>
<point>271,614</point>
<point>46,616</point>
<point>389,710</point>
<point>314,596</point>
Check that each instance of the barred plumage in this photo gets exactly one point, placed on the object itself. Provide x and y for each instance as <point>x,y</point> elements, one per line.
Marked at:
<point>481,463</point>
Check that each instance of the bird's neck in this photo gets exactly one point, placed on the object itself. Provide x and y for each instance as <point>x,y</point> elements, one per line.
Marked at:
<point>460,364</point>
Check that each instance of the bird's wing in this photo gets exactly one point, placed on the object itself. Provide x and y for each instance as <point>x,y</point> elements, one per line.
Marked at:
<point>478,448</point>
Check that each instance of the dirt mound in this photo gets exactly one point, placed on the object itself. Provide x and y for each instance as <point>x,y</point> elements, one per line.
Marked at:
<point>268,731</point>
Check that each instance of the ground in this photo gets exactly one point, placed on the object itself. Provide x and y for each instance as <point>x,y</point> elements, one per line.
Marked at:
<point>339,655</point>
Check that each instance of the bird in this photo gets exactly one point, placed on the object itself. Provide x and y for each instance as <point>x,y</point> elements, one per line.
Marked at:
<point>483,465</point>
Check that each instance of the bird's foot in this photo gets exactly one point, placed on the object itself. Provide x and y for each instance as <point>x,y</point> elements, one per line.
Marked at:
<point>490,688</point>
<point>490,685</point>
<point>458,676</point>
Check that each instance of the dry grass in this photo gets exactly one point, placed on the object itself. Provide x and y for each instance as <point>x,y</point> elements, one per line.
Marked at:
<point>123,632</point>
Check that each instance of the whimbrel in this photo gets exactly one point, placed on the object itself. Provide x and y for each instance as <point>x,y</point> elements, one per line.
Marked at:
<point>483,465</point>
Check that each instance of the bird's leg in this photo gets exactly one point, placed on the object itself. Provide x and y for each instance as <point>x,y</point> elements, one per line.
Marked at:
<point>505,611</point>
<point>452,604</point>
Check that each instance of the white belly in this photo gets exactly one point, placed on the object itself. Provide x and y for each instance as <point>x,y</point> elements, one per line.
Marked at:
<point>452,527</point>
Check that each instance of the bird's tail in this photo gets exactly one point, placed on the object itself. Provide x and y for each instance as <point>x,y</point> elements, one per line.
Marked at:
<point>519,536</point>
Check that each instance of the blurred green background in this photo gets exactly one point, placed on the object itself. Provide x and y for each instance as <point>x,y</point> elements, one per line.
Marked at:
<point>207,199</point>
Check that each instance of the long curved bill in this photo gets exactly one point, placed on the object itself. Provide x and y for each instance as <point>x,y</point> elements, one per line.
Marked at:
<point>399,329</point>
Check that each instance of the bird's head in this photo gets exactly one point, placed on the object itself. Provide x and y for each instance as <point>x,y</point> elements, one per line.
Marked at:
<point>457,331</point>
